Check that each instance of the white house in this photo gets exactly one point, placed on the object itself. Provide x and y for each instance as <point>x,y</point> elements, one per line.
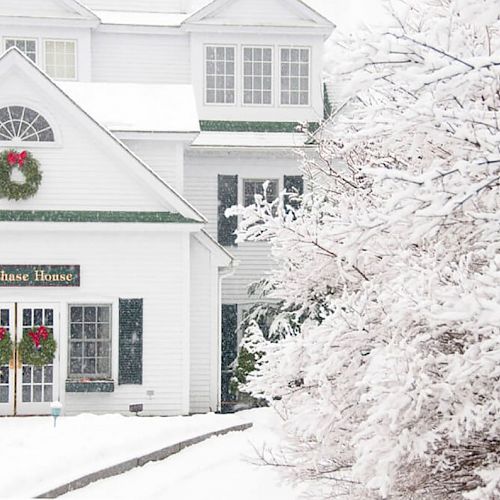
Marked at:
<point>171,111</point>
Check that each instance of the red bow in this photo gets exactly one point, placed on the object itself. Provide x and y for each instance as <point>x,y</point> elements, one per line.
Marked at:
<point>37,335</point>
<point>14,158</point>
<point>3,333</point>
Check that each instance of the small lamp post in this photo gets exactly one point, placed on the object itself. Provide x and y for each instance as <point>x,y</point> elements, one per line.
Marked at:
<point>55,410</point>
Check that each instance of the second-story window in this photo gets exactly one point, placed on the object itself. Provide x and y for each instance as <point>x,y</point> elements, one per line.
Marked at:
<point>26,45</point>
<point>257,75</point>
<point>295,73</point>
<point>219,75</point>
<point>60,59</point>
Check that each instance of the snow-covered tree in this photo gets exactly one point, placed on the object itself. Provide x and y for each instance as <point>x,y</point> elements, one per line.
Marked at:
<point>390,386</point>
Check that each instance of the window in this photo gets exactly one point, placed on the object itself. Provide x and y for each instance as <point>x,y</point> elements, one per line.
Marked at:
<point>219,74</point>
<point>24,124</point>
<point>251,187</point>
<point>26,46</point>
<point>257,75</point>
<point>90,341</point>
<point>60,59</point>
<point>295,70</point>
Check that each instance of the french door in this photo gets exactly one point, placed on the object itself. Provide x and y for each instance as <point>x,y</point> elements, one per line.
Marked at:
<point>27,389</point>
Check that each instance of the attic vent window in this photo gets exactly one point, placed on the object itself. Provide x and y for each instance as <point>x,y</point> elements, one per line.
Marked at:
<point>24,124</point>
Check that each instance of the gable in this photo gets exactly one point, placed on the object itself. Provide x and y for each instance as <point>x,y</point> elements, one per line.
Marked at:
<point>259,13</point>
<point>59,9</point>
<point>86,168</point>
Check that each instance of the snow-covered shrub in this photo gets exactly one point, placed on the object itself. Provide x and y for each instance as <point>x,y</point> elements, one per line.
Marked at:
<point>391,266</point>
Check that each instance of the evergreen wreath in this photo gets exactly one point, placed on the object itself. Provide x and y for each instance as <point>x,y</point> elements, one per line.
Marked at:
<point>28,165</point>
<point>38,347</point>
<point>5,346</point>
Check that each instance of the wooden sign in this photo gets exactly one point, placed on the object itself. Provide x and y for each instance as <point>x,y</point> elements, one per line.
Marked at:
<point>38,275</point>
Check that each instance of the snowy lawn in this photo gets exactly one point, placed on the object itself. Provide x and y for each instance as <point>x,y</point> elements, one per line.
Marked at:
<point>38,457</point>
<point>221,468</point>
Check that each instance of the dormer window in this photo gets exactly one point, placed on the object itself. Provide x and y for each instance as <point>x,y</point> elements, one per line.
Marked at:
<point>60,59</point>
<point>295,76</point>
<point>18,123</point>
<point>258,75</point>
<point>219,75</point>
<point>26,45</point>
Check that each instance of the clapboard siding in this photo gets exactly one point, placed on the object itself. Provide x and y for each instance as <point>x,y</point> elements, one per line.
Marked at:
<point>137,58</point>
<point>202,335</point>
<point>81,171</point>
<point>156,277</point>
<point>165,158</point>
<point>134,5</point>
<point>254,259</point>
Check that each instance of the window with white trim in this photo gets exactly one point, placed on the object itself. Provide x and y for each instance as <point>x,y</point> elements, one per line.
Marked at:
<point>219,75</point>
<point>24,124</point>
<point>89,341</point>
<point>257,75</point>
<point>252,187</point>
<point>295,74</point>
<point>26,45</point>
<point>60,59</point>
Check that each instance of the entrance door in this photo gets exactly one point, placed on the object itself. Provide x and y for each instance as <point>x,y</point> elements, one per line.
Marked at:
<point>30,389</point>
<point>7,375</point>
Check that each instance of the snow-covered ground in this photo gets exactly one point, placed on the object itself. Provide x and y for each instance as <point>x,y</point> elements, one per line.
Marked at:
<point>222,468</point>
<point>37,457</point>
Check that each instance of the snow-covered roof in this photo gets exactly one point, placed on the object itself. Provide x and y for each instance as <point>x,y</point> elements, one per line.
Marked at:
<point>126,18</point>
<point>134,107</point>
<point>250,140</point>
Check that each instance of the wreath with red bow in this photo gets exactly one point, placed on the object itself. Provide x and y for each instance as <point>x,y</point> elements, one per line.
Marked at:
<point>30,168</point>
<point>5,346</point>
<point>38,346</point>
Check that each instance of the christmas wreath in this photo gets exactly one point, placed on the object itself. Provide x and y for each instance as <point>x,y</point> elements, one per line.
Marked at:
<point>38,347</point>
<point>28,166</point>
<point>5,346</point>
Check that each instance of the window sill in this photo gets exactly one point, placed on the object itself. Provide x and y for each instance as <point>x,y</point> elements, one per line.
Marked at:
<point>90,386</point>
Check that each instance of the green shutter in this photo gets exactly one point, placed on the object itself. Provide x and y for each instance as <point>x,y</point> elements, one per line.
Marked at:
<point>293,184</point>
<point>229,347</point>
<point>227,197</point>
<point>130,342</point>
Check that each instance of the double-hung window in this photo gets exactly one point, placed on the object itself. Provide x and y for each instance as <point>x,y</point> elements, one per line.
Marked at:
<point>252,187</point>
<point>60,59</point>
<point>220,75</point>
<point>295,76</point>
<point>26,45</point>
<point>257,75</point>
<point>90,341</point>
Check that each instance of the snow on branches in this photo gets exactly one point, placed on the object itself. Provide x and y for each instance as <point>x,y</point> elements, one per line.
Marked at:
<point>392,385</point>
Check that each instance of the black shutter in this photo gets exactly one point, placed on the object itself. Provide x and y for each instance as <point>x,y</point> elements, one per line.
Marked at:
<point>130,342</point>
<point>293,184</point>
<point>227,197</point>
<point>229,347</point>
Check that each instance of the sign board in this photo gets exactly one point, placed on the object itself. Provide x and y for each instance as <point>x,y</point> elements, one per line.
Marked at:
<point>39,275</point>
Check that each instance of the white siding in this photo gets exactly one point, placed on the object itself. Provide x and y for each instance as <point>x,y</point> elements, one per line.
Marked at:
<point>165,158</point>
<point>254,259</point>
<point>80,170</point>
<point>134,5</point>
<point>116,265</point>
<point>203,309</point>
<point>136,58</point>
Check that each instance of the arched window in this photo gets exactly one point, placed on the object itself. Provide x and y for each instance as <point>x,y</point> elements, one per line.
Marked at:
<point>24,124</point>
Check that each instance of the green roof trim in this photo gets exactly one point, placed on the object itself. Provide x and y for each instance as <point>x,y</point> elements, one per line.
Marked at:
<point>87,216</point>
<point>230,126</point>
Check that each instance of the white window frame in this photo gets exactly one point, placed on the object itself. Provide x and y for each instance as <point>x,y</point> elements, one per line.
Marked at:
<point>309,98</point>
<point>215,45</point>
<point>71,40</point>
<point>76,377</point>
<point>27,39</point>
<point>273,73</point>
